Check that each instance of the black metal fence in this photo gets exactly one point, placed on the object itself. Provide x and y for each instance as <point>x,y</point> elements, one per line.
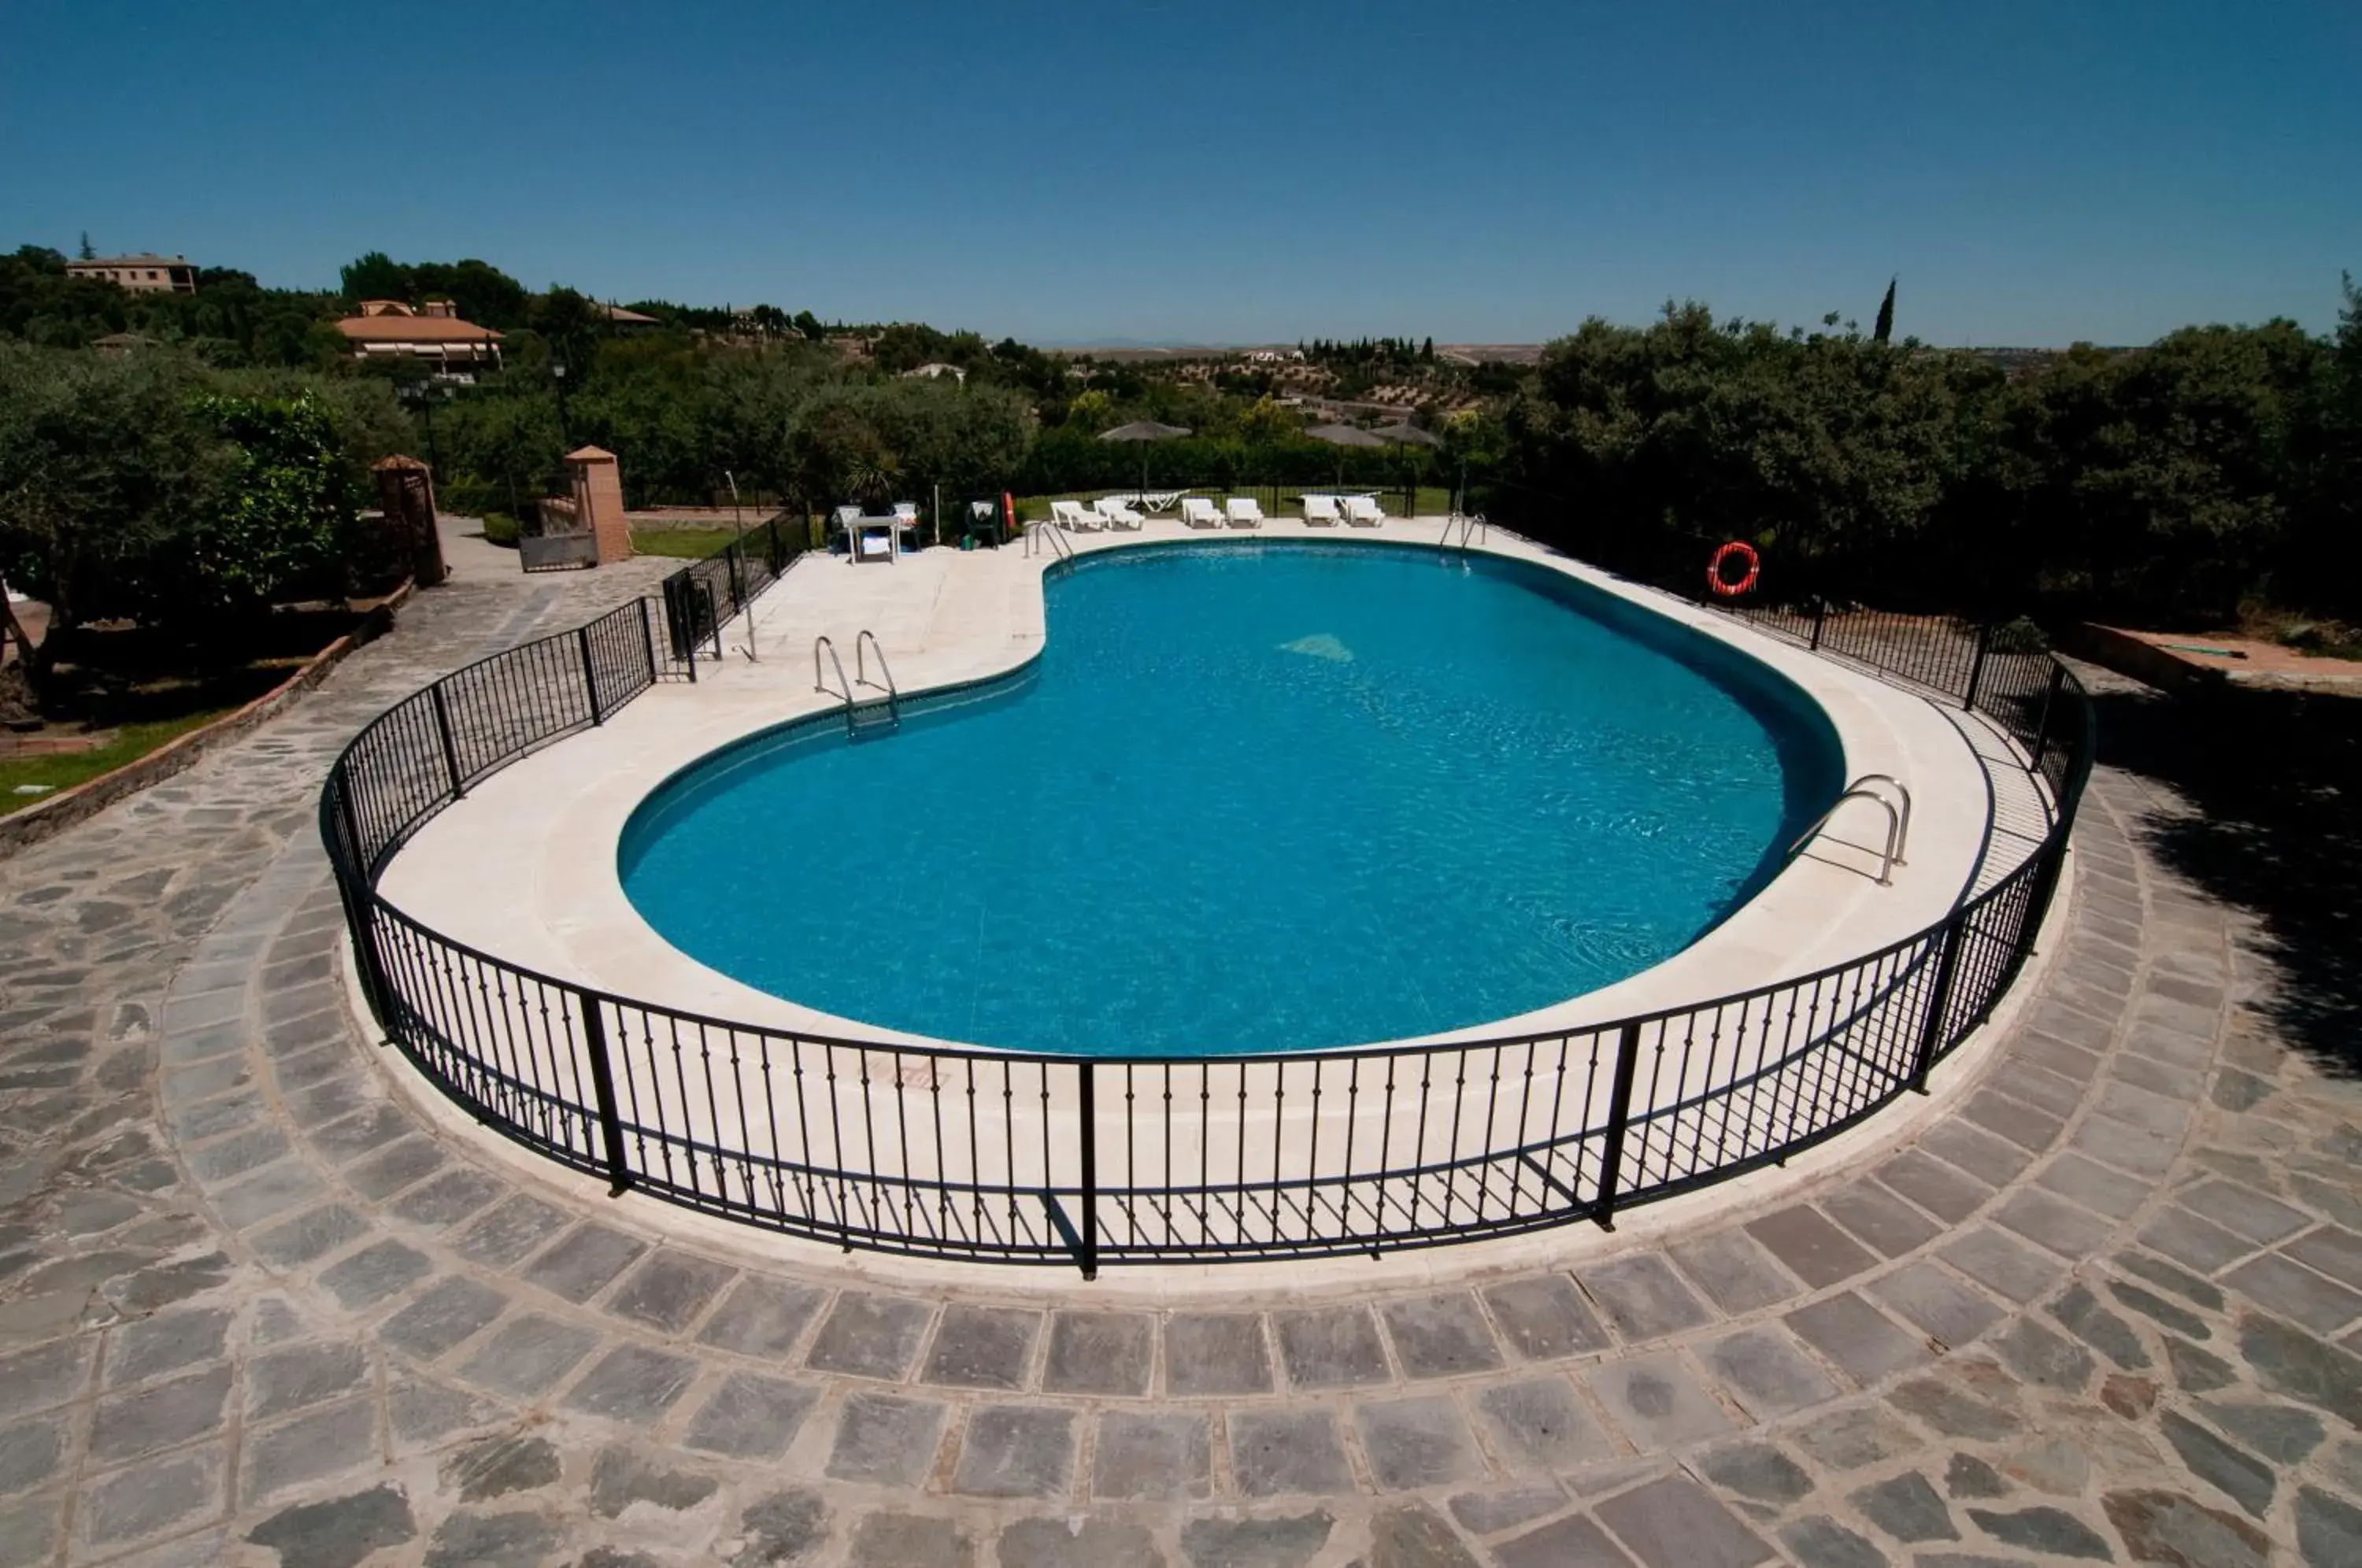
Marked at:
<point>1033,1157</point>
<point>701,598</point>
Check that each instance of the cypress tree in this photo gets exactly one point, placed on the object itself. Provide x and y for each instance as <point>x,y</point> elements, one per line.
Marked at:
<point>1884,330</point>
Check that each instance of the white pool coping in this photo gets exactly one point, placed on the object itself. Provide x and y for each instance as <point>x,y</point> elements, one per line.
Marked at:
<point>525,866</point>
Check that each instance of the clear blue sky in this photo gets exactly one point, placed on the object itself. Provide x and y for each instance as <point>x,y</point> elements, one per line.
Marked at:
<point>1495,171</point>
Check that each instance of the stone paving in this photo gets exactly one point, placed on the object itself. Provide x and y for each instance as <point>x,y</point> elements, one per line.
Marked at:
<point>254,1309</point>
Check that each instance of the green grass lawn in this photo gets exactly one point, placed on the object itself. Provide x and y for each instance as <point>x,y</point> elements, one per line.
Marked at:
<point>681,543</point>
<point>131,742</point>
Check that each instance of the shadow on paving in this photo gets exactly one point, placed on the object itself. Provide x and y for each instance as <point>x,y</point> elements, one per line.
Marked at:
<point>2275,781</point>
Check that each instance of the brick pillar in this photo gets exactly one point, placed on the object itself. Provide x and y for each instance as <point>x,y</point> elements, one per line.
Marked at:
<point>599,494</point>
<point>405,493</point>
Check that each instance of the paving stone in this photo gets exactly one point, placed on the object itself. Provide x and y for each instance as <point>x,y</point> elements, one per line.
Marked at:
<point>1412,1535</point>
<point>527,1354</point>
<point>127,1425</point>
<point>584,1261</point>
<point>750,1416</point>
<point>886,1439</point>
<point>2165,1275</point>
<point>1439,1336</point>
<point>270,1192</point>
<point>2333,1250</point>
<point>507,1235</point>
<point>670,1290</point>
<point>498,1466</point>
<point>1760,1471</point>
<point>147,1499</point>
<point>29,1454</point>
<point>310,1236</point>
<point>447,1199</point>
<point>2001,1262</point>
<point>1540,1424</point>
<point>1158,1455</point>
<point>1656,1401</point>
<point>513,1540</point>
<point>621,1478</point>
<point>1768,1371</point>
<point>2282,1435</point>
<point>35,1379</point>
<point>1993,1161</point>
<point>1288,1540</point>
<point>1100,1352</point>
<point>784,1528</point>
<point>1015,1451</point>
<point>2328,1530</point>
<point>870,1336</point>
<point>235,1156</point>
<point>1734,1270</point>
<point>1936,1303</point>
<point>909,1541</point>
<point>1504,1508</point>
<point>2158,1310</point>
<point>1825,1543</point>
<point>1643,1297</point>
<point>1283,1450</point>
<point>2041,1356</point>
<point>1852,1438</point>
<point>423,1414</point>
<point>340,1437</point>
<point>2053,1532</point>
<point>2083,1315</point>
<point>2199,1243</point>
<point>301,1376</point>
<point>2094,1186</point>
<point>1889,1226</point>
<point>634,1384</point>
<point>1852,1334</point>
<point>1079,1543</point>
<point>761,1318</point>
<point>1906,1507</point>
<point>2051,1221</point>
<point>166,1343</point>
<point>2195,1370</point>
<point>2293,1291</point>
<point>1330,1347</point>
<point>2126,1147</point>
<point>1951,1410</point>
<point>340,1532</point>
<point>2166,1527</point>
<point>1676,1523</point>
<point>1215,1353</point>
<point>443,1315</point>
<point>2297,1367</point>
<point>982,1347</point>
<point>2252,1215</point>
<point>1969,1476</point>
<point>2242,1477</point>
<point>1949,1193</point>
<point>1570,1542</point>
<point>1418,1442</point>
<point>371,1274</point>
<point>372,1128</point>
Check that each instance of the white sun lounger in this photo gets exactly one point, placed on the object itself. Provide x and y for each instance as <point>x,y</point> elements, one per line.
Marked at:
<point>1244,512</point>
<point>1074,517</point>
<point>1117,512</point>
<point>1320,511</point>
<point>1362,512</point>
<point>1200,513</point>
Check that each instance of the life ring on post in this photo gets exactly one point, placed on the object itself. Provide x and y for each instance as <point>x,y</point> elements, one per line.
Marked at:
<point>1722,586</point>
<point>1008,516</point>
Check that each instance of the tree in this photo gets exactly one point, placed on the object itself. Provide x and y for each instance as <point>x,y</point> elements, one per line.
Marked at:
<point>88,252</point>
<point>1884,329</point>
<point>275,518</point>
<point>374,276</point>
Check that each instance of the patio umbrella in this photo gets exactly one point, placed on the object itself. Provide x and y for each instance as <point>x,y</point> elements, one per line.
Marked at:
<point>1404,433</point>
<point>1343,436</point>
<point>1144,430</point>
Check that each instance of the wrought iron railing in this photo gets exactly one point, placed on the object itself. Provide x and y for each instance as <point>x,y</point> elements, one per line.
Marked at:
<point>1041,1157</point>
<point>702,597</point>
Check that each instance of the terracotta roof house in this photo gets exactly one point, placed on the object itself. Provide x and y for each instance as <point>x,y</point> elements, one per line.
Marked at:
<point>433,331</point>
<point>141,274</point>
<point>628,320</point>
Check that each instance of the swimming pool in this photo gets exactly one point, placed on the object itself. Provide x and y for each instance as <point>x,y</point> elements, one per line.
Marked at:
<point>1252,795</point>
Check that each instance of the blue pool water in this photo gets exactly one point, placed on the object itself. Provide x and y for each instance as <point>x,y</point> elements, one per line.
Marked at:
<point>1270,796</point>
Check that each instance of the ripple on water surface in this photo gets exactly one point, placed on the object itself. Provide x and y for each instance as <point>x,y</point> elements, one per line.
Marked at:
<point>1253,797</point>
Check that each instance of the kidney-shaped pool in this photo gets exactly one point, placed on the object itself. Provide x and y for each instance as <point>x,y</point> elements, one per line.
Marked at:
<point>1269,796</point>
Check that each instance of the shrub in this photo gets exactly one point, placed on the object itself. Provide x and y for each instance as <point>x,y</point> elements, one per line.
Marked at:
<point>500,529</point>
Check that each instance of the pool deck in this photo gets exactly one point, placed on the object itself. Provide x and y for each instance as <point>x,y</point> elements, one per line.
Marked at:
<point>254,1310</point>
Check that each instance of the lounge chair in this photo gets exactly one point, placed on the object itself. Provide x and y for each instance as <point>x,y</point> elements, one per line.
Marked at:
<point>1200,513</point>
<point>1117,512</point>
<point>1074,517</point>
<point>1244,512</point>
<point>1361,512</point>
<point>1320,511</point>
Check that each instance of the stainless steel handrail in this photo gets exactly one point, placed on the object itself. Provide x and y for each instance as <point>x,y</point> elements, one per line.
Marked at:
<point>1044,527</point>
<point>863,641</point>
<point>1892,854</point>
<point>1902,833</point>
<point>1470,524</point>
<point>845,687</point>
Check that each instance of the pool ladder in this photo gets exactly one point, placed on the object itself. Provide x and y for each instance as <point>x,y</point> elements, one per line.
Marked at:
<point>860,717</point>
<point>1047,528</point>
<point>1898,819</point>
<point>1470,526</point>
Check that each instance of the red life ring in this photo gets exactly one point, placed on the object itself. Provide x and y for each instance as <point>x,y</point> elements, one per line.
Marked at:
<point>1722,586</point>
<point>1009,512</point>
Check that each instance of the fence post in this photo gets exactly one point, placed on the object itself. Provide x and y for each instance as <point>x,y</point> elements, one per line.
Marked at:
<point>1977,671</point>
<point>712,616</point>
<point>1931,1034</point>
<point>737,568</point>
<point>1820,613</point>
<point>603,1086</point>
<point>2042,725</point>
<point>589,672</point>
<point>648,626</point>
<point>450,752</point>
<point>1619,1119</point>
<point>1090,1203</point>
